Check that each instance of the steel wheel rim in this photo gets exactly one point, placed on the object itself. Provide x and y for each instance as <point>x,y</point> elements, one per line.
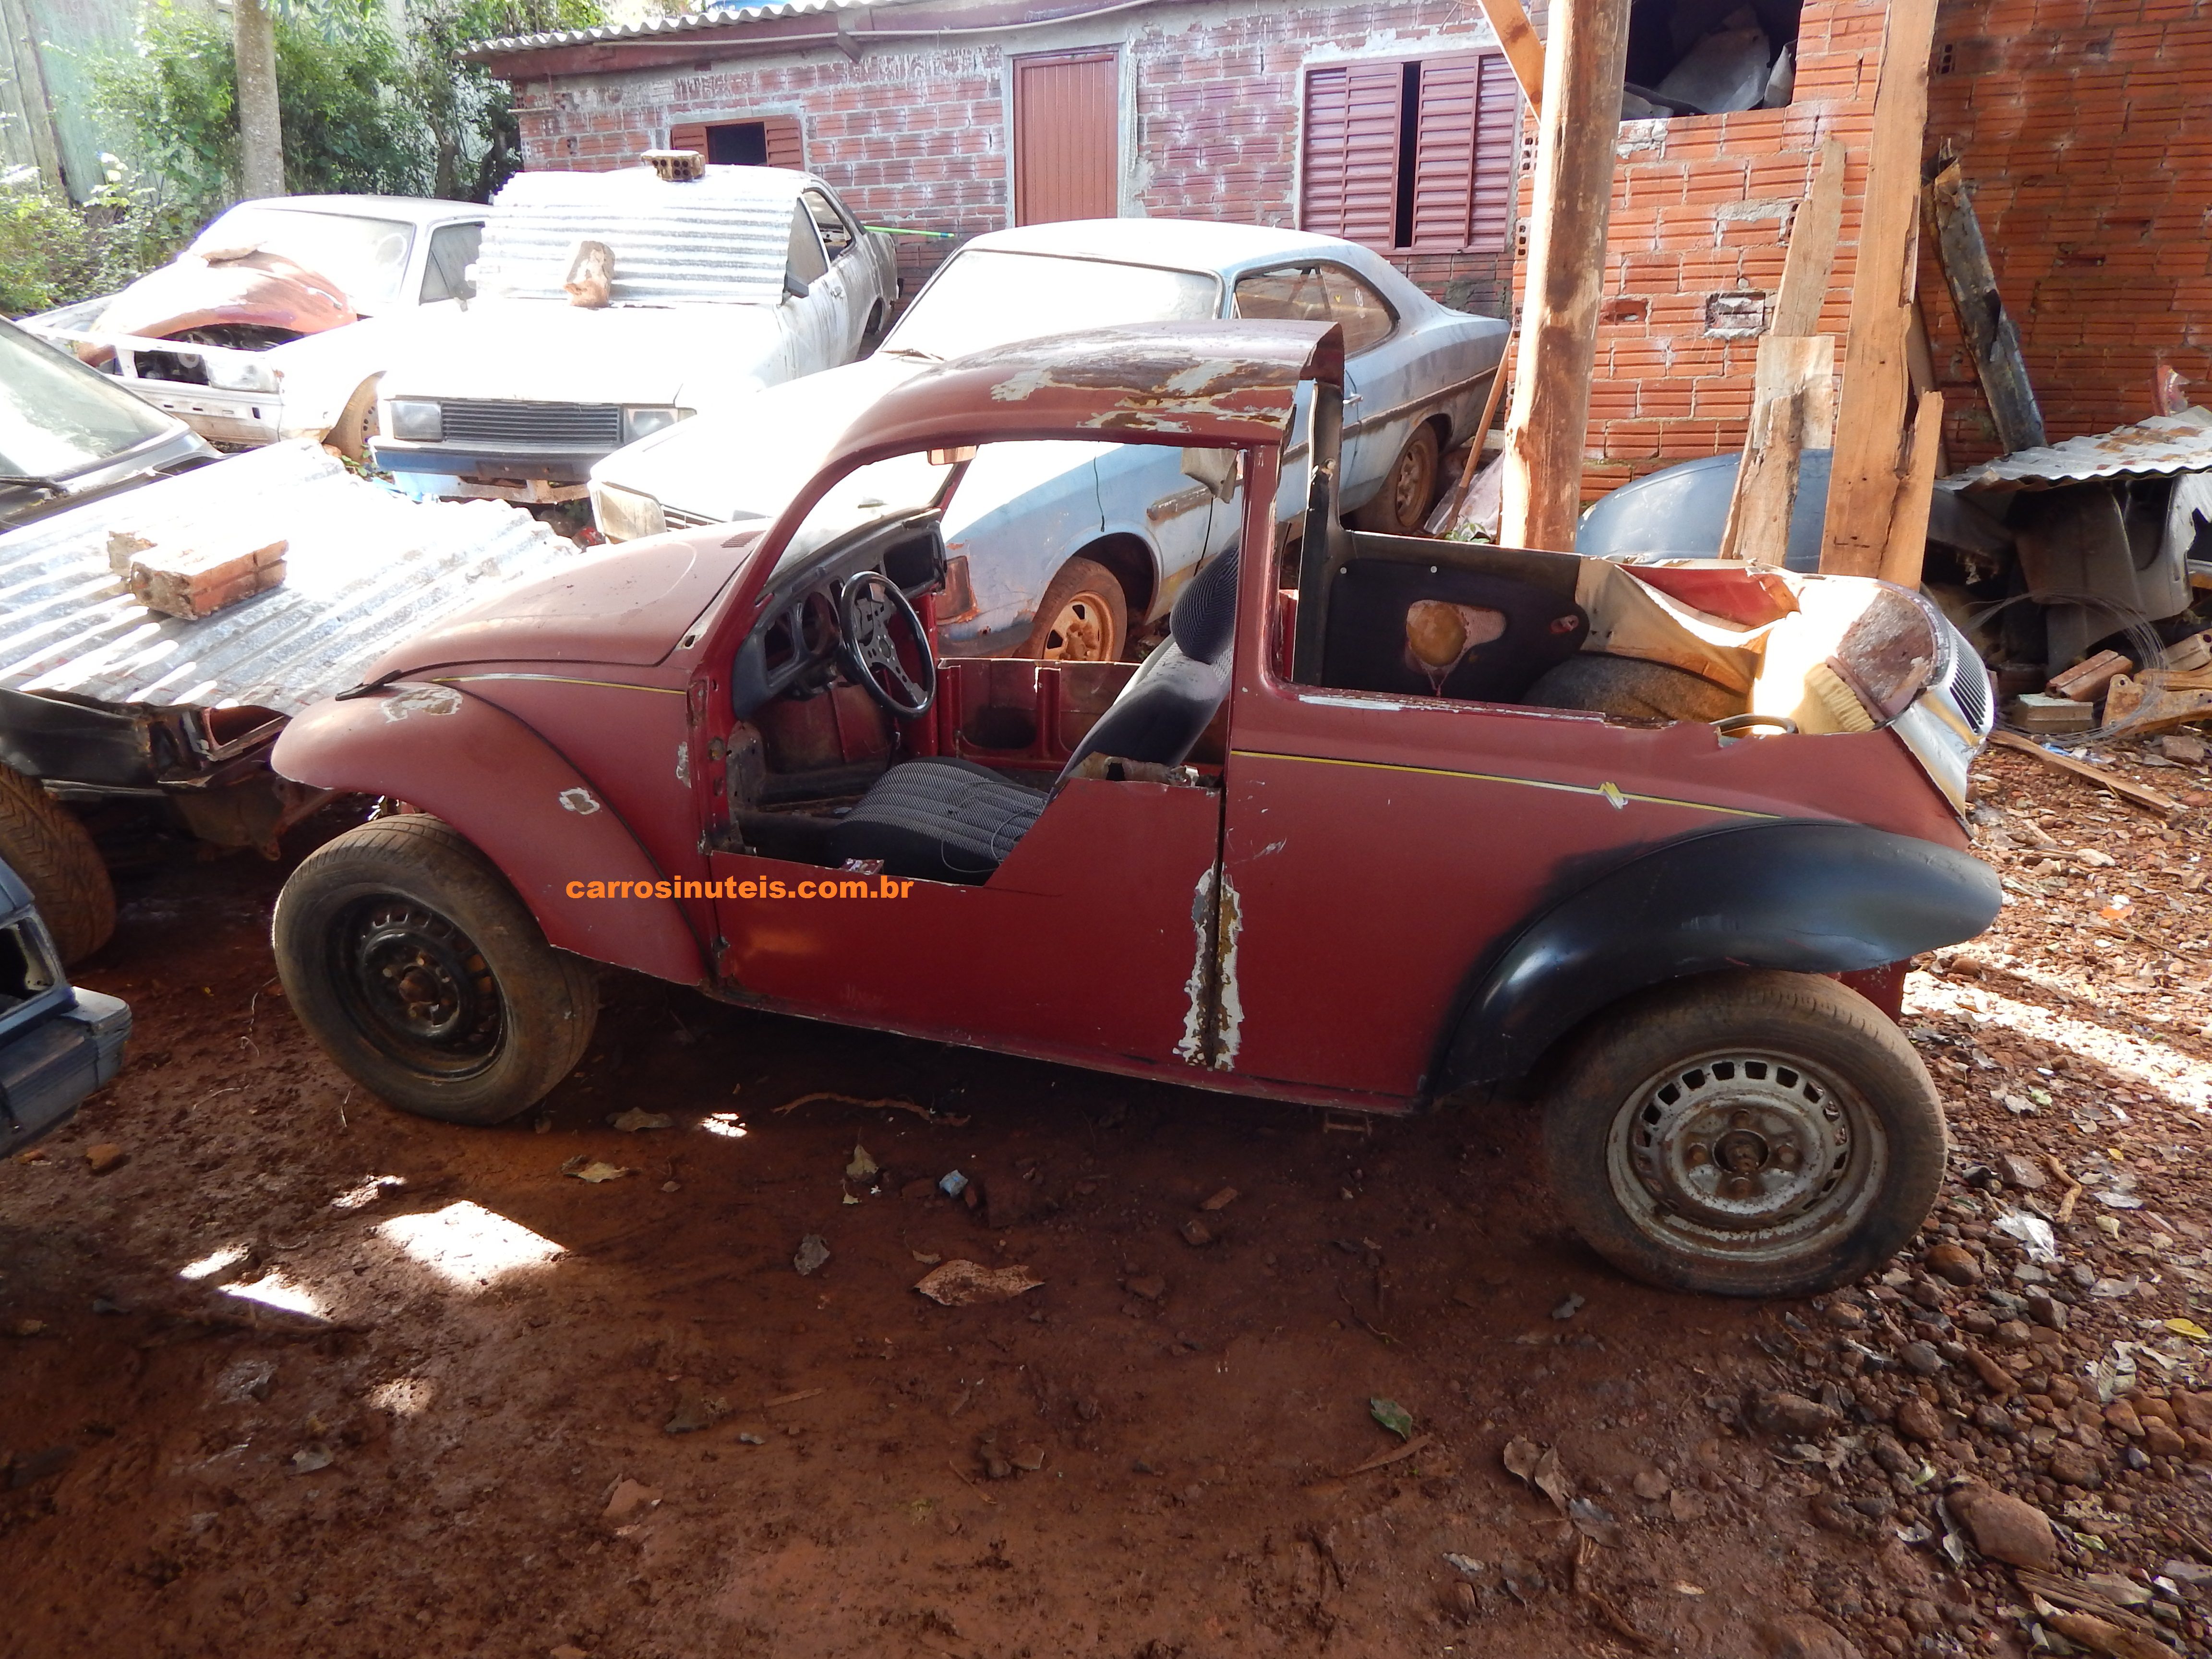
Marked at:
<point>1409,485</point>
<point>1082,632</point>
<point>416,987</point>
<point>1746,1155</point>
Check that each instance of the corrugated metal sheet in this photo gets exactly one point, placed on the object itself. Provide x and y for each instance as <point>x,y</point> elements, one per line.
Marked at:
<point>2160,447</point>
<point>724,239</point>
<point>713,18</point>
<point>364,570</point>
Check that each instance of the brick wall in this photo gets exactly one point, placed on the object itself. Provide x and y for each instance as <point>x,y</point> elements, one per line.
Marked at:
<point>2085,133</point>
<point>917,139</point>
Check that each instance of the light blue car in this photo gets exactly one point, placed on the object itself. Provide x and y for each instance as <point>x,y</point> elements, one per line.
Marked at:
<point>1070,550</point>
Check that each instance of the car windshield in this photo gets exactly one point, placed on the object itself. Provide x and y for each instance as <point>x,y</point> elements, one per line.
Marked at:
<point>987,298</point>
<point>57,417</point>
<point>882,489</point>
<point>367,257</point>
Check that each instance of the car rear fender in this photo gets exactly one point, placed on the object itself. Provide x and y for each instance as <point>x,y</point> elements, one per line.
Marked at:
<point>1799,897</point>
<point>515,797</point>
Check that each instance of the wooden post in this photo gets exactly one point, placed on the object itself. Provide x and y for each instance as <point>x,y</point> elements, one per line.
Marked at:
<point>1982,320</point>
<point>1869,426</point>
<point>1790,409</point>
<point>1907,546</point>
<point>1812,255</point>
<point>1523,50</point>
<point>31,93</point>
<point>1577,128</point>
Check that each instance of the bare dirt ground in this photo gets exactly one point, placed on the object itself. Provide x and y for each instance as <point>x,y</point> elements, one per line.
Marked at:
<point>305,1378</point>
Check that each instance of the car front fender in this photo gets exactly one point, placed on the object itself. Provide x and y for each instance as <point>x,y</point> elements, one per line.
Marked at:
<point>516,798</point>
<point>1802,897</point>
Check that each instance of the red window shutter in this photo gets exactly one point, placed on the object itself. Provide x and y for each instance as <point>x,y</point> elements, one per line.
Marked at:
<point>785,147</point>
<point>1351,174</point>
<point>1444,151</point>
<point>1497,155</point>
<point>690,135</point>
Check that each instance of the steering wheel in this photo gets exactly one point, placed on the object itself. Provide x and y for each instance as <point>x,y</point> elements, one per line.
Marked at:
<point>867,603</point>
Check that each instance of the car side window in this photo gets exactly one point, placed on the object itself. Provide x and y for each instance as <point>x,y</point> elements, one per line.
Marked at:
<point>452,251</point>
<point>836,233</point>
<point>1366,314</point>
<point>805,260</point>
<point>1294,294</point>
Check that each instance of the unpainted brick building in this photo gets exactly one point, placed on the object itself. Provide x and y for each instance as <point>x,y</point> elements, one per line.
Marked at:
<point>1394,122</point>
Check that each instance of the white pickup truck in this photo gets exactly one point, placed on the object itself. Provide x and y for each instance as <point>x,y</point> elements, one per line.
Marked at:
<point>276,322</point>
<point>720,284</point>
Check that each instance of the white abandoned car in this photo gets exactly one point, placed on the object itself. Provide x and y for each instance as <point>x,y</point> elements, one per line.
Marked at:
<point>276,322</point>
<point>613,304</point>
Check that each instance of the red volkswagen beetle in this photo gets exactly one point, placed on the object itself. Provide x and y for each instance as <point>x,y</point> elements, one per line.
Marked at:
<point>1379,821</point>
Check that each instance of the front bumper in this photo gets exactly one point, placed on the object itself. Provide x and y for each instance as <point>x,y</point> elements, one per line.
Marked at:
<point>221,417</point>
<point>47,1069</point>
<point>482,464</point>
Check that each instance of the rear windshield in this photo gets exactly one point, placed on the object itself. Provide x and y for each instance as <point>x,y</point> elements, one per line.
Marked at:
<point>985,298</point>
<point>58,418</point>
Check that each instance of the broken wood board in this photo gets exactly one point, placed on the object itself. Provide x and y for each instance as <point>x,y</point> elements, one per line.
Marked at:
<point>2142,795</point>
<point>1907,547</point>
<point>1812,255</point>
<point>1863,481</point>
<point>1792,410</point>
<point>1447,520</point>
<point>1992,341</point>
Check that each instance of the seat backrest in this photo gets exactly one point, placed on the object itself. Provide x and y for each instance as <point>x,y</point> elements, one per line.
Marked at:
<point>1172,697</point>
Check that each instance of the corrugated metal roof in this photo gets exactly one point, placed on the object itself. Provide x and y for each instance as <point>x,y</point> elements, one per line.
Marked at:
<point>713,17</point>
<point>724,239</point>
<point>366,569</point>
<point>2156,448</point>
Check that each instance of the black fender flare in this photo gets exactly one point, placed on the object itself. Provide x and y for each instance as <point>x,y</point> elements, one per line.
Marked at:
<point>1801,896</point>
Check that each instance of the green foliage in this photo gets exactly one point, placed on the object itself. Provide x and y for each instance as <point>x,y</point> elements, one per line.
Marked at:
<point>53,252</point>
<point>477,144</point>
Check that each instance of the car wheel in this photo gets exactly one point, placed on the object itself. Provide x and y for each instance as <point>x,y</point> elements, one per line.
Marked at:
<point>357,423</point>
<point>423,976</point>
<point>1401,506</point>
<point>1082,618</point>
<point>1745,1134</point>
<point>42,841</point>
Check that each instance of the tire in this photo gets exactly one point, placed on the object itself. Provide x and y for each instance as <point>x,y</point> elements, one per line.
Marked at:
<point>1082,618</point>
<point>510,1016</point>
<point>41,840</point>
<point>350,433</point>
<point>1401,506</point>
<point>1663,1082</point>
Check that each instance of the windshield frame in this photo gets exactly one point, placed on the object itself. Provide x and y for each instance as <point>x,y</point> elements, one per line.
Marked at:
<point>890,345</point>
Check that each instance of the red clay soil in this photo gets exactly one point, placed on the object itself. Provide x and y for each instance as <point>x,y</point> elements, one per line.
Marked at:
<point>466,1442</point>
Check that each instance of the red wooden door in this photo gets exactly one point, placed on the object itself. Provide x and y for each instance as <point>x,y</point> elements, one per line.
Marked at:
<point>1067,122</point>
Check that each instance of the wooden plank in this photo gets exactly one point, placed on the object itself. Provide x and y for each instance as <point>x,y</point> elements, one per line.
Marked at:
<point>1448,518</point>
<point>1863,482</point>
<point>1901,556</point>
<point>1792,390</point>
<point>2127,789</point>
<point>1577,129</point>
<point>1812,254</point>
<point>1523,50</point>
<point>1992,339</point>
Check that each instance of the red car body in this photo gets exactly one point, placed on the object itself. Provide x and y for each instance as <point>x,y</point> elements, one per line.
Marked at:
<point>1360,899</point>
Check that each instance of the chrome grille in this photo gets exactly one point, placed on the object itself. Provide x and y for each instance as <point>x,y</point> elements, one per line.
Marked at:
<point>677,519</point>
<point>1970,687</point>
<point>564,426</point>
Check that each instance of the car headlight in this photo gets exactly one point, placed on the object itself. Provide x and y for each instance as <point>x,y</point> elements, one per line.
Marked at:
<point>243,377</point>
<point>643,422</point>
<point>417,420</point>
<point>623,516</point>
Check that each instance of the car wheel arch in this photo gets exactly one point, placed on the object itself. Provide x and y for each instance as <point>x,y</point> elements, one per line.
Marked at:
<point>1133,561</point>
<point>1812,896</point>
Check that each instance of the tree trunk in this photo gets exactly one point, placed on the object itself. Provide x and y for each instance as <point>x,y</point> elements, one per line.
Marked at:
<point>260,128</point>
<point>1577,128</point>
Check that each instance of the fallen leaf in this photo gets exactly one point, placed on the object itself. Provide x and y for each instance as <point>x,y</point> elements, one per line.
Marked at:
<point>2189,1327</point>
<point>1551,1480</point>
<point>1220,1201</point>
<point>1521,1457</point>
<point>309,1459</point>
<point>927,1258</point>
<point>1392,1416</point>
<point>631,1122</point>
<point>584,1167</point>
<point>862,1165</point>
<point>812,1253</point>
<point>958,1282</point>
<point>1593,1522</point>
